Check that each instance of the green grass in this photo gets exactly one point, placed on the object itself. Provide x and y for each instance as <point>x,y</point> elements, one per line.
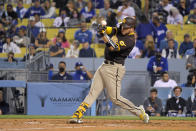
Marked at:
<point>140,130</point>
<point>94,117</point>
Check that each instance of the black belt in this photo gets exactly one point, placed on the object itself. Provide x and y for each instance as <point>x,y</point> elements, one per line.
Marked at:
<point>111,62</point>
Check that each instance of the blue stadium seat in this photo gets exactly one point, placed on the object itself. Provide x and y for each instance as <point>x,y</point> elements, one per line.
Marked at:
<point>19,65</point>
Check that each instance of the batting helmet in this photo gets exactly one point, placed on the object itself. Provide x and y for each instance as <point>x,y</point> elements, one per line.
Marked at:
<point>129,22</point>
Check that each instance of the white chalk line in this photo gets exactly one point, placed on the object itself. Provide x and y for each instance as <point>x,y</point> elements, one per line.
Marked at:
<point>18,129</point>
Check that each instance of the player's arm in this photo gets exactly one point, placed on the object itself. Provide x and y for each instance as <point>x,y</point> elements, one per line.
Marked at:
<point>109,31</point>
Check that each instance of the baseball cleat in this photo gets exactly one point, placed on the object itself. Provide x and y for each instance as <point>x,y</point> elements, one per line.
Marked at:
<point>75,121</point>
<point>144,116</point>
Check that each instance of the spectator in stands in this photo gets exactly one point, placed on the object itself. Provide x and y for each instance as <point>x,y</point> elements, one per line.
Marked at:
<point>12,30</point>
<point>61,35</point>
<point>176,104</point>
<point>192,17</point>
<point>139,44</point>
<point>191,81</point>
<point>9,17</point>
<point>171,51</point>
<point>31,54</point>
<point>2,36</point>
<point>50,10</point>
<point>191,51</point>
<point>150,6</point>
<point>70,7</point>
<point>62,20</point>
<point>104,12</point>
<point>38,23</point>
<point>98,4</point>
<point>10,46</point>
<point>36,9</point>
<point>153,105</point>
<point>192,4</point>
<point>165,81</point>
<point>56,50</point>
<point>33,31</point>
<point>176,3</point>
<point>83,34</point>
<point>75,18</point>
<point>185,45</point>
<point>174,17</point>
<point>80,4</point>
<point>10,58</point>
<point>50,71</point>
<point>149,47</point>
<point>60,3</point>
<point>62,74</point>
<point>111,19</point>
<point>42,41</point>
<point>125,10</point>
<point>1,8</point>
<point>88,12</point>
<point>159,30</point>
<point>20,39</point>
<point>166,5</point>
<point>183,9</point>
<point>164,43</point>
<point>20,10</point>
<point>81,72</point>
<point>87,51</point>
<point>73,52</point>
<point>157,63</point>
<point>144,28</point>
<point>135,53</point>
<point>191,104</point>
<point>4,107</point>
<point>191,62</point>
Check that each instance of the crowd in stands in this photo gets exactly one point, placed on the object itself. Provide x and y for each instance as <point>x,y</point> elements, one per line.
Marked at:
<point>175,105</point>
<point>154,39</point>
<point>151,30</point>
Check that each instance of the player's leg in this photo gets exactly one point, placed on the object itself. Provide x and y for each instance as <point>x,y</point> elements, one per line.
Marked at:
<point>113,77</point>
<point>96,88</point>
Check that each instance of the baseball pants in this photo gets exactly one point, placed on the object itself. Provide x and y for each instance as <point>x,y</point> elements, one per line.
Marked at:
<point>109,76</point>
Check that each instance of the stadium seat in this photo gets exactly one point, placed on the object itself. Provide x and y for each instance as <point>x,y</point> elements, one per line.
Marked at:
<point>27,5</point>
<point>70,33</point>
<point>57,11</point>
<point>19,55</point>
<point>173,27</point>
<point>52,33</point>
<point>3,55</point>
<point>23,22</point>
<point>23,50</point>
<point>99,52</point>
<point>97,45</point>
<point>47,22</point>
<point>42,49</point>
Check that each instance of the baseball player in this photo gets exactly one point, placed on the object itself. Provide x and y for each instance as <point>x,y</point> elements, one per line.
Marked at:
<point>111,72</point>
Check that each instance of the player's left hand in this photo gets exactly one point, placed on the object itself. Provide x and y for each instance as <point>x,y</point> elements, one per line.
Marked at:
<point>101,28</point>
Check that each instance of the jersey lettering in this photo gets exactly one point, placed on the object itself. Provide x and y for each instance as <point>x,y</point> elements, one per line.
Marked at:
<point>122,43</point>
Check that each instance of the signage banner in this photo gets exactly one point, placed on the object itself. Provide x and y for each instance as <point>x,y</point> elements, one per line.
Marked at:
<point>55,98</point>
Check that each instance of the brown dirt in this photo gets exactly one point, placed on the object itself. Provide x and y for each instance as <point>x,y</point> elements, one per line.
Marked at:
<point>94,125</point>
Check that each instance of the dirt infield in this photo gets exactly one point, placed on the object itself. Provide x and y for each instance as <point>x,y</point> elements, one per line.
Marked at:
<point>94,125</point>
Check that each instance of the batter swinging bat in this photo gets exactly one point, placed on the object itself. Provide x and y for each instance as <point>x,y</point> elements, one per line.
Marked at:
<point>104,23</point>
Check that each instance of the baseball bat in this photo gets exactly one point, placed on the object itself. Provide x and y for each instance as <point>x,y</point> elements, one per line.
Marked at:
<point>110,41</point>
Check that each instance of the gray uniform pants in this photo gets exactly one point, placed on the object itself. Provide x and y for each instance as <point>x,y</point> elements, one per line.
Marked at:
<point>109,76</point>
